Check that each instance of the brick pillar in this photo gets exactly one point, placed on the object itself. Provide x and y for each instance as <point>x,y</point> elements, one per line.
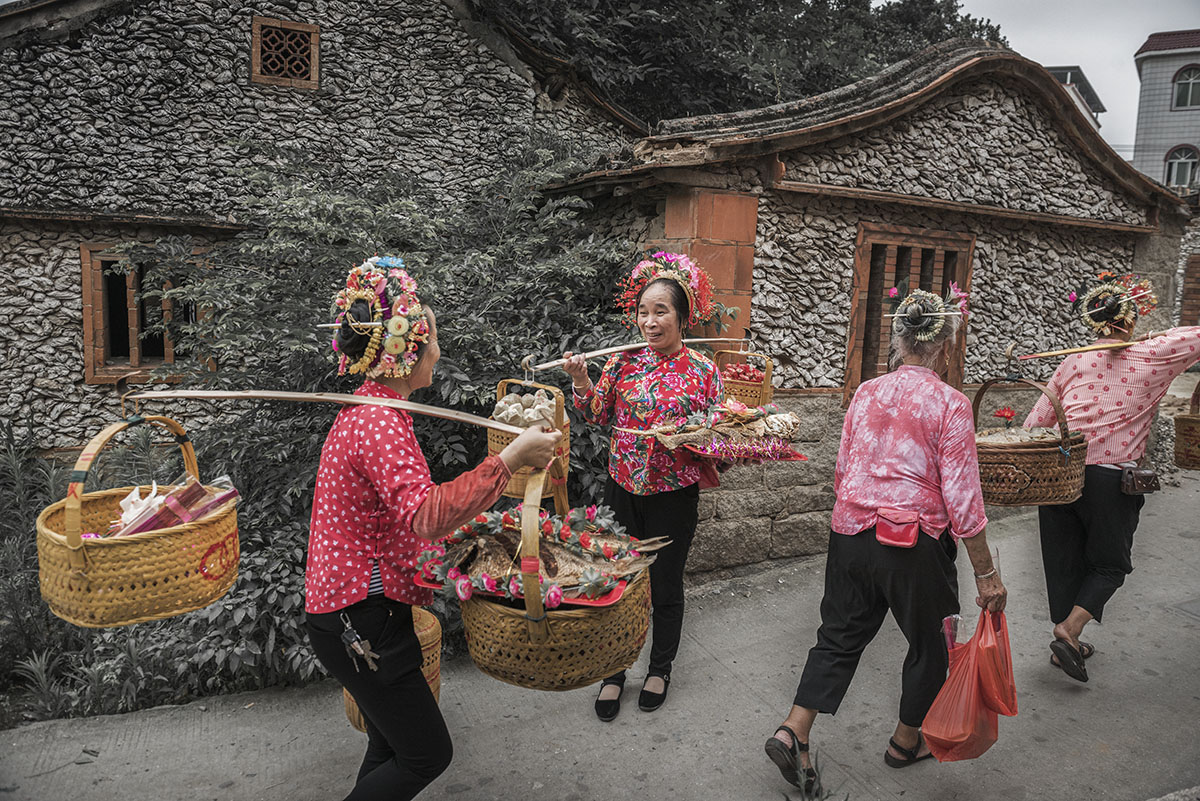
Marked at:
<point>1189,314</point>
<point>717,229</point>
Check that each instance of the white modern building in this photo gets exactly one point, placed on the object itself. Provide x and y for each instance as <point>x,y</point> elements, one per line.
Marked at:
<point>1167,144</point>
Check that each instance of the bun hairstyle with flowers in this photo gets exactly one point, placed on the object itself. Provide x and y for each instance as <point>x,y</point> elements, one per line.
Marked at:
<point>923,323</point>
<point>685,274</point>
<point>383,325</point>
<point>1114,303</point>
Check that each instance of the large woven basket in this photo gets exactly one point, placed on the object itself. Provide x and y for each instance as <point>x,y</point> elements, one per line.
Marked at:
<point>497,441</point>
<point>1032,473</point>
<point>1187,434</point>
<point>116,581</point>
<point>429,634</point>
<point>544,649</point>
<point>751,393</point>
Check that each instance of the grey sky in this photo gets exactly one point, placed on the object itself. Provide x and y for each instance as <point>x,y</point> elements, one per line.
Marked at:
<point>1100,36</point>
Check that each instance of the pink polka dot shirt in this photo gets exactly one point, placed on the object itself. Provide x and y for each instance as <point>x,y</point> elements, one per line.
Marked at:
<point>1111,395</point>
<point>371,486</point>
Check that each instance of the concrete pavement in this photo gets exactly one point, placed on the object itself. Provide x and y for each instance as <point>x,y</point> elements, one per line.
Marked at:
<point>1130,733</point>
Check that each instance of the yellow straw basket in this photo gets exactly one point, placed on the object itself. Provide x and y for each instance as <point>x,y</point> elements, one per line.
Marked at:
<point>1187,434</point>
<point>544,649</point>
<point>497,441</point>
<point>1042,473</point>
<point>751,393</point>
<point>429,634</point>
<point>116,581</point>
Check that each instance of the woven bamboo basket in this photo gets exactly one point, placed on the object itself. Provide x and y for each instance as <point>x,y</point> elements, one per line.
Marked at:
<point>1187,434</point>
<point>1032,473</point>
<point>544,649</point>
<point>429,634</point>
<point>116,581</point>
<point>497,441</point>
<point>751,393</point>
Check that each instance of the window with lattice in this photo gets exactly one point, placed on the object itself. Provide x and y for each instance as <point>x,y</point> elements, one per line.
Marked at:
<point>285,53</point>
<point>884,256</point>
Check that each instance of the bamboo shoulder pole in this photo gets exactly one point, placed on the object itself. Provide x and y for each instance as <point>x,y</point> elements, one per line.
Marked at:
<point>326,397</point>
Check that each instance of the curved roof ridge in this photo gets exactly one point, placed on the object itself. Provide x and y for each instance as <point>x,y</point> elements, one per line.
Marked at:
<point>897,80</point>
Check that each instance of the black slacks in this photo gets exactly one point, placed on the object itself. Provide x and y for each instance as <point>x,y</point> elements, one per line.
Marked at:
<point>1087,544</point>
<point>408,745</point>
<point>665,514</point>
<point>863,580</point>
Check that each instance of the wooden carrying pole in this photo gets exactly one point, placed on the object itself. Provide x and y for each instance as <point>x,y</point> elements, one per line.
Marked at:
<point>526,363</point>
<point>326,397</point>
<point>1086,348</point>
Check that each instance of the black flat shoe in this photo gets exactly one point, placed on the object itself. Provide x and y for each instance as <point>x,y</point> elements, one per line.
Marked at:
<point>787,759</point>
<point>608,710</point>
<point>648,701</point>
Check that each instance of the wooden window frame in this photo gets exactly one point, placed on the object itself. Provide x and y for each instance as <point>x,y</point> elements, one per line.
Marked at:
<point>314,72</point>
<point>97,370</point>
<point>896,238</point>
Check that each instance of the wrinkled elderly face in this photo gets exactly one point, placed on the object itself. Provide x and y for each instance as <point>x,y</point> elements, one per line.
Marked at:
<point>658,319</point>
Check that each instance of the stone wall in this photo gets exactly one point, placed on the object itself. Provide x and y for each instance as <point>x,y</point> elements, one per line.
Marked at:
<point>1021,274</point>
<point>140,109</point>
<point>987,142</point>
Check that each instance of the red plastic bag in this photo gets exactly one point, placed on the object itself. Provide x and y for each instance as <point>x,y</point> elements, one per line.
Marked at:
<point>995,664</point>
<point>960,725</point>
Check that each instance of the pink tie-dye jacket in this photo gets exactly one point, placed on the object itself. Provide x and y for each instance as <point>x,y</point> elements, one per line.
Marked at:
<point>908,443</point>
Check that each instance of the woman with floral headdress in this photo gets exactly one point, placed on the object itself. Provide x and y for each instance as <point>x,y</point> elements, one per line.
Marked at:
<point>907,486</point>
<point>1111,396</point>
<point>654,491</point>
<point>374,503</point>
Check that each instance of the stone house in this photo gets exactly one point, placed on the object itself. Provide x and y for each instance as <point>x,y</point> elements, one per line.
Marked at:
<point>119,121</point>
<point>965,163</point>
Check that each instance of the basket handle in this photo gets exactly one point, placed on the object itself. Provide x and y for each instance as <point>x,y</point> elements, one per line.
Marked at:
<point>73,512</point>
<point>535,612</point>
<point>1042,388</point>
<point>559,400</point>
<point>768,364</point>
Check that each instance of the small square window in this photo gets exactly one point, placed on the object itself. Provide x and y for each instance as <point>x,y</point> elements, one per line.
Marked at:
<point>284,53</point>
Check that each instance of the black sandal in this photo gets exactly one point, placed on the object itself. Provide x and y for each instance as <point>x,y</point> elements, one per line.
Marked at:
<point>1086,650</point>
<point>787,759</point>
<point>608,710</point>
<point>910,754</point>
<point>1069,659</point>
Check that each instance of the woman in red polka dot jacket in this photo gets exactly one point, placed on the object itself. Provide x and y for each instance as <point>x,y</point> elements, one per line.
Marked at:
<point>1111,396</point>
<point>374,504</point>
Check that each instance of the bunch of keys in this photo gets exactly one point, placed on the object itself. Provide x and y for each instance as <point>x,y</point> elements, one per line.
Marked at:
<point>357,646</point>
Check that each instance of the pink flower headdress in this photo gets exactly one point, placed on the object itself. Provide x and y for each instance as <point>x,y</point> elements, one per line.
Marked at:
<point>675,267</point>
<point>398,323</point>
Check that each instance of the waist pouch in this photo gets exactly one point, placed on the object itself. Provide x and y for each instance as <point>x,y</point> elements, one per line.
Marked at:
<point>897,527</point>
<point>1139,481</point>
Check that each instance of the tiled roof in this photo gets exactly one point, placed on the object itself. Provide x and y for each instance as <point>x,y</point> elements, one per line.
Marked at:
<point>1170,40</point>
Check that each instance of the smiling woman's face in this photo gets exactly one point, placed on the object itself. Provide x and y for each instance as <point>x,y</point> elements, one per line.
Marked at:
<point>658,320</point>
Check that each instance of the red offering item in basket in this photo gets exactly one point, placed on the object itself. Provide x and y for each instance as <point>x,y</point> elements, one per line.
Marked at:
<point>742,372</point>
<point>607,599</point>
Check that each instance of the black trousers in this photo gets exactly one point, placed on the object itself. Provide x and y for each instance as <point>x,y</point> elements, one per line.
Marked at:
<point>863,580</point>
<point>1087,544</point>
<point>408,745</point>
<point>665,514</point>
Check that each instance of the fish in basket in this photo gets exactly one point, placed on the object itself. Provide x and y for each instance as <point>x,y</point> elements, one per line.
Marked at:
<point>527,643</point>
<point>587,559</point>
<point>732,430</point>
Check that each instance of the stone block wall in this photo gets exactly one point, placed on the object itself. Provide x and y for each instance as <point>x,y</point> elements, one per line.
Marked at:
<point>141,109</point>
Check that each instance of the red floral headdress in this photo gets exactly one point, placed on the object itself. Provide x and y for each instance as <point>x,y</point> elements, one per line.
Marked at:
<point>398,323</point>
<point>675,267</point>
